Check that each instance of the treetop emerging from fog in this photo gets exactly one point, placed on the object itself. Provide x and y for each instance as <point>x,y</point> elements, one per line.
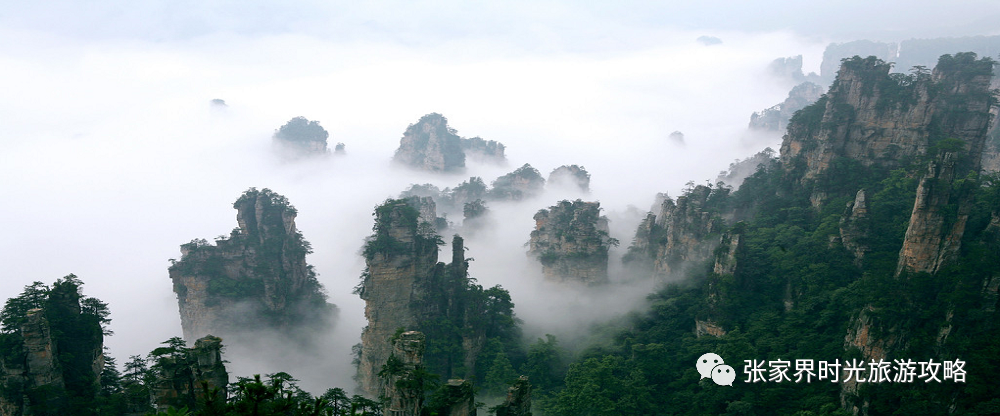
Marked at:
<point>301,129</point>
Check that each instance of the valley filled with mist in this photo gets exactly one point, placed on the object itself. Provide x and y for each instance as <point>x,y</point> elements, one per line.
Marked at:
<point>403,210</point>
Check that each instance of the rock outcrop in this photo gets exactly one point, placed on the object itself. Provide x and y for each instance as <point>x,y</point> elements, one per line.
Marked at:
<point>461,398</point>
<point>906,54</point>
<point>404,286</point>
<point>855,227</point>
<point>741,169</point>
<point>402,373</point>
<point>427,208</point>
<point>524,182</point>
<point>790,69</point>
<point>41,352</point>
<point>255,280</point>
<point>934,236</point>
<point>878,121</point>
<point>776,118</point>
<point>570,176</point>
<point>835,53</point>
<point>518,401</point>
<point>51,356</point>
<point>302,137</point>
<point>684,232</point>
<point>433,146</point>
<point>571,242</point>
<point>188,377</point>
<point>481,150</point>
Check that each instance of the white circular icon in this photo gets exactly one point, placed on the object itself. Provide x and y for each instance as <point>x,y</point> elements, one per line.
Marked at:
<point>723,375</point>
<point>707,362</point>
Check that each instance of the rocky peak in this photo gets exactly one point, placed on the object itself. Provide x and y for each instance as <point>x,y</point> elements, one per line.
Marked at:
<point>481,150</point>
<point>404,390</point>
<point>431,145</point>
<point>854,227</point>
<point>404,286</point>
<point>50,353</point>
<point>302,137</point>
<point>257,279</point>
<point>685,231</point>
<point>518,401</point>
<point>42,362</point>
<point>934,236</point>
<point>188,376</point>
<point>884,121</point>
<point>570,176</point>
<point>524,182</point>
<point>571,241</point>
<point>776,118</point>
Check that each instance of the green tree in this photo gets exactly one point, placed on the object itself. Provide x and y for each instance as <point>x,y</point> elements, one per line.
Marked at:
<point>500,375</point>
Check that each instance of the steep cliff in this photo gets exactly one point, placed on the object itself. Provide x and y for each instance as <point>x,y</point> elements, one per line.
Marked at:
<point>855,227</point>
<point>873,238</point>
<point>255,280</point>
<point>776,118</point>
<point>518,401</point>
<point>683,233</point>
<point>403,375</point>
<point>187,377</point>
<point>51,349</point>
<point>937,223</point>
<point>404,286</point>
<point>741,169</point>
<point>433,146</point>
<point>874,120</point>
<point>571,241</point>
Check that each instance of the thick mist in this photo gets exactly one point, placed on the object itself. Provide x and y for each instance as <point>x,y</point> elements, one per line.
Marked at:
<point>111,155</point>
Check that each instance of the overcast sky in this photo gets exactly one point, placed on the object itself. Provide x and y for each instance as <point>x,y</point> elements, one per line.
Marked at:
<point>111,157</point>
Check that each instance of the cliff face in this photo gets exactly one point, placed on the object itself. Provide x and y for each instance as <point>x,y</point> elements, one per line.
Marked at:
<point>400,267</point>
<point>883,121</point>
<point>855,227</point>
<point>933,237</point>
<point>51,356</point>
<point>682,233</point>
<point>404,389</point>
<point>776,118</point>
<point>257,279</point>
<point>32,365</point>
<point>571,241</point>
<point>404,286</point>
<point>187,377</point>
<point>42,353</point>
<point>518,401</point>
<point>431,145</point>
